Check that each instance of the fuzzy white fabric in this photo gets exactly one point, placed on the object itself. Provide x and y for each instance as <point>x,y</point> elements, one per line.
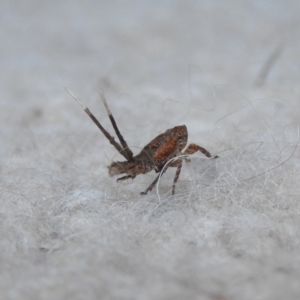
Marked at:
<point>69,231</point>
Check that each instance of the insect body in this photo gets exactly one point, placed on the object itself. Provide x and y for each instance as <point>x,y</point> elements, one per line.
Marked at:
<point>154,156</point>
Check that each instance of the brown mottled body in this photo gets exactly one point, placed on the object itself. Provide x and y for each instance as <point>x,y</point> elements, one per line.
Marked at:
<point>154,156</point>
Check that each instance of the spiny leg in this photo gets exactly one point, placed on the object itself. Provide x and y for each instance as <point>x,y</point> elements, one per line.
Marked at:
<point>126,151</point>
<point>152,185</point>
<point>124,177</point>
<point>107,135</point>
<point>192,148</point>
<point>177,175</point>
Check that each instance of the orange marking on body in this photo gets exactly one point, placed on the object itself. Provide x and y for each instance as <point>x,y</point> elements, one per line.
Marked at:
<point>165,150</point>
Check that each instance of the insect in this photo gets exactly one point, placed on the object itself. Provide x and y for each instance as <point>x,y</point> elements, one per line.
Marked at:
<point>154,156</point>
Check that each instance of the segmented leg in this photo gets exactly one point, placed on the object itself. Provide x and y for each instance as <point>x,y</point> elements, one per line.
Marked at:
<point>176,176</point>
<point>152,185</point>
<point>192,148</point>
<point>126,150</point>
<point>124,178</point>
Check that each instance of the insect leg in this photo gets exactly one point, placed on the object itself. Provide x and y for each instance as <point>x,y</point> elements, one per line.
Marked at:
<point>192,148</point>
<point>125,151</point>
<point>124,177</point>
<point>152,185</point>
<point>107,135</point>
<point>177,176</point>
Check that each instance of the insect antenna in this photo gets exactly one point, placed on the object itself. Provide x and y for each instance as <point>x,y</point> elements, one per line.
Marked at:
<point>127,152</point>
<point>107,135</point>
